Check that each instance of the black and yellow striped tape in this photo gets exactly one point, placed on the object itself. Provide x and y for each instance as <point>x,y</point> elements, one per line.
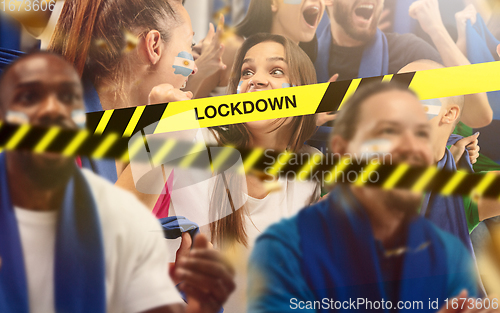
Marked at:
<point>294,101</point>
<point>324,169</point>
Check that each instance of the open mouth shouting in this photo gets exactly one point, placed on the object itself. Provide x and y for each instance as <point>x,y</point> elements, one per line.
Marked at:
<point>311,16</point>
<point>364,11</point>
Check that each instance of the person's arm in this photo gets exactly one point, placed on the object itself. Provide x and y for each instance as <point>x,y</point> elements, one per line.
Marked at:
<point>469,13</point>
<point>470,143</point>
<point>207,277</point>
<point>488,208</point>
<point>477,111</point>
<point>275,282</point>
<point>208,58</point>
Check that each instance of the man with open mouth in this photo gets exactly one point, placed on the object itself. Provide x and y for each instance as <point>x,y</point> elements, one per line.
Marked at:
<point>353,46</point>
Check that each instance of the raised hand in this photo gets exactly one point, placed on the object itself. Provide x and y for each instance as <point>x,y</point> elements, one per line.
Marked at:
<point>427,13</point>
<point>471,144</point>
<point>469,13</point>
<point>207,277</point>
<point>167,93</point>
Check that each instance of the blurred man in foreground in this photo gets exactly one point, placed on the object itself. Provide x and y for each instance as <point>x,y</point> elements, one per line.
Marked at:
<point>72,242</point>
<point>364,243</point>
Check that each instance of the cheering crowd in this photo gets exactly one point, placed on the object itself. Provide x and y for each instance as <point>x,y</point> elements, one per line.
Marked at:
<point>90,235</point>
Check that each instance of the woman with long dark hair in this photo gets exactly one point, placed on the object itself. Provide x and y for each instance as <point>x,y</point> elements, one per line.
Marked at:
<point>264,62</point>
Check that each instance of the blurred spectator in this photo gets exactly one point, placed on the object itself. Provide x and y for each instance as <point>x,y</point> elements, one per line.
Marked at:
<point>351,246</point>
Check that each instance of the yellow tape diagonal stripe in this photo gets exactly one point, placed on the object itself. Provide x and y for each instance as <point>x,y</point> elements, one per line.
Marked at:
<point>350,91</point>
<point>222,157</point>
<point>192,154</point>
<point>308,168</point>
<point>282,161</point>
<point>76,142</point>
<point>165,149</point>
<point>363,178</point>
<point>251,159</point>
<point>337,170</point>
<point>133,121</point>
<point>47,139</point>
<point>387,78</point>
<point>138,142</point>
<point>105,145</point>
<point>424,179</point>
<point>103,122</point>
<point>17,137</point>
<point>395,176</point>
<point>484,184</point>
<point>454,181</point>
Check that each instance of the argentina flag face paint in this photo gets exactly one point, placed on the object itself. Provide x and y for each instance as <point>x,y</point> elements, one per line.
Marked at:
<point>184,64</point>
<point>79,117</point>
<point>432,107</point>
<point>238,90</point>
<point>16,117</point>
<point>375,148</point>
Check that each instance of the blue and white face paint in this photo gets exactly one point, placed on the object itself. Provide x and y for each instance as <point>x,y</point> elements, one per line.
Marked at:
<point>16,117</point>
<point>287,85</point>
<point>375,148</point>
<point>296,2</point>
<point>238,90</point>
<point>184,64</point>
<point>432,107</point>
<point>79,117</point>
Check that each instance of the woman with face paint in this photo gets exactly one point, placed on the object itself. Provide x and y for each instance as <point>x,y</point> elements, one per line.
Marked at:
<point>264,62</point>
<point>295,19</point>
<point>129,53</point>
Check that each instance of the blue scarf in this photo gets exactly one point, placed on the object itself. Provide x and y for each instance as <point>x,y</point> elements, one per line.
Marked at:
<point>103,168</point>
<point>79,272</point>
<point>375,60</point>
<point>448,213</point>
<point>343,264</point>
<point>8,56</point>
<point>481,48</point>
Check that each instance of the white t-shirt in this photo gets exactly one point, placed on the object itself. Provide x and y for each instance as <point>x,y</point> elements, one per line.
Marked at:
<point>193,202</point>
<point>288,201</point>
<point>136,259</point>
